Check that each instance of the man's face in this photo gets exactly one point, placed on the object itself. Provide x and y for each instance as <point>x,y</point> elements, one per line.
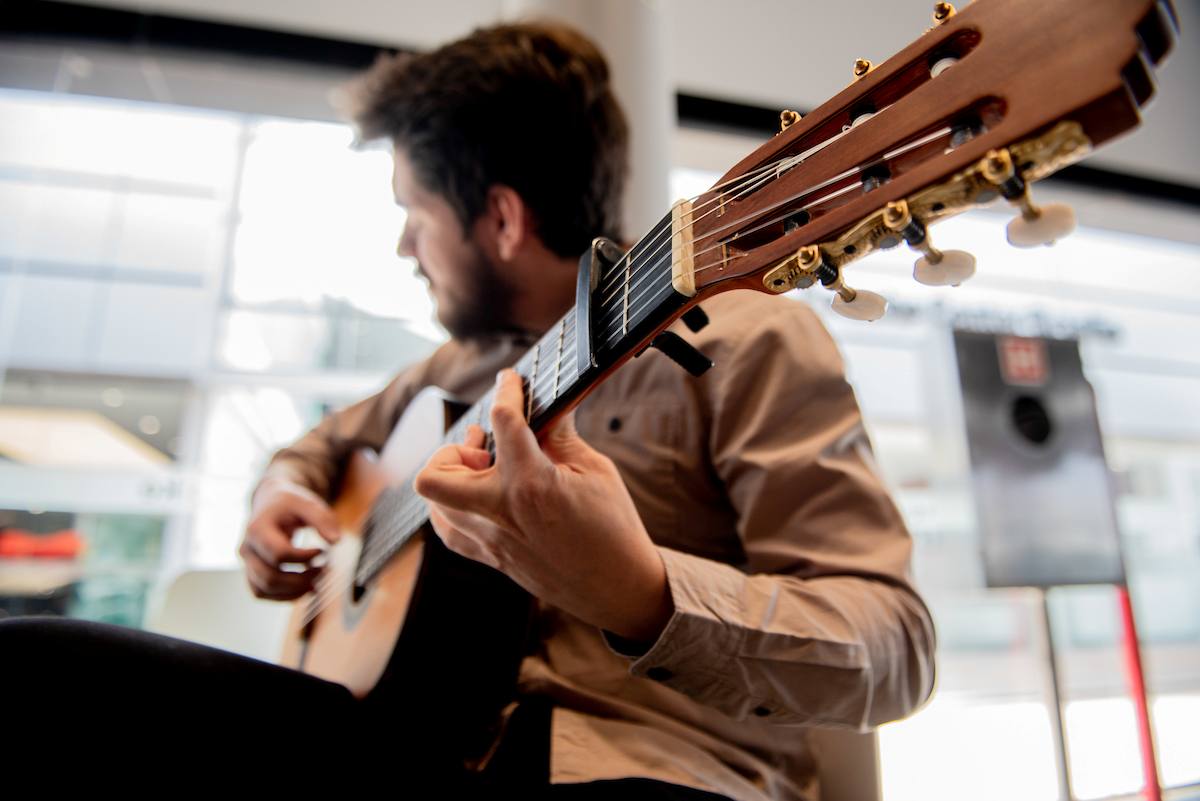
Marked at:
<point>472,298</point>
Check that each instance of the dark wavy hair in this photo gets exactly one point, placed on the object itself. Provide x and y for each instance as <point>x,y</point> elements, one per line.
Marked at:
<point>526,105</point>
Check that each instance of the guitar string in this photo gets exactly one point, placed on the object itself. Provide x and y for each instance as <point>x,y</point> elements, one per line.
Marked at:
<point>649,274</point>
<point>720,200</point>
<point>665,290</point>
<point>403,524</point>
<point>541,390</point>
<point>410,516</point>
<point>767,172</point>
<point>418,506</point>
<point>628,258</point>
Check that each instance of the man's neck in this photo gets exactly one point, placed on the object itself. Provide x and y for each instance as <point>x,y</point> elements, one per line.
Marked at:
<point>544,290</point>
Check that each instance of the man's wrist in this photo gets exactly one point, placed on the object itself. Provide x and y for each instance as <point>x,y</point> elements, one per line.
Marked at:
<point>271,485</point>
<point>650,617</point>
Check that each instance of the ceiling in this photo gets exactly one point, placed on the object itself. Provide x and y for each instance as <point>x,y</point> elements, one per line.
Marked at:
<point>763,52</point>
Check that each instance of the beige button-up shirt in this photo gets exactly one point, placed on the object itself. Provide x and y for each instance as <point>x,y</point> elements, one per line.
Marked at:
<point>788,562</point>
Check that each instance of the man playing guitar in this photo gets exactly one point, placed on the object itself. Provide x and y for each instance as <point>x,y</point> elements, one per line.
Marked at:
<point>716,563</point>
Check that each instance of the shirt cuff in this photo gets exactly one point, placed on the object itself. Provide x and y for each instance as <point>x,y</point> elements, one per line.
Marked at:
<point>696,650</point>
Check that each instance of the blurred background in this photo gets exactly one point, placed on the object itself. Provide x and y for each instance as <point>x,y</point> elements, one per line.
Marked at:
<point>195,266</point>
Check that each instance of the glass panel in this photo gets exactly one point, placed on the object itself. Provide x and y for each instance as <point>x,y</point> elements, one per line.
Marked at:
<point>169,146</point>
<point>319,226</point>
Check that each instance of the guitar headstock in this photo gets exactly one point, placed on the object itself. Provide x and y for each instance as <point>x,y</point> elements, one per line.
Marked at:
<point>985,103</point>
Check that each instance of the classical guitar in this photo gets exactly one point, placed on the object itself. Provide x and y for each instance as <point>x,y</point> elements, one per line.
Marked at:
<point>986,102</point>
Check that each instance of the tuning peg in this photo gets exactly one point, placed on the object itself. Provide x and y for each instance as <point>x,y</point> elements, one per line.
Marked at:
<point>856,304</point>
<point>859,304</point>
<point>936,267</point>
<point>861,67</point>
<point>1040,225</point>
<point>788,118</point>
<point>942,12</point>
<point>944,268</point>
<point>1037,225</point>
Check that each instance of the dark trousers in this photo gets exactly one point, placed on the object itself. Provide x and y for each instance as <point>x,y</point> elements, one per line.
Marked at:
<point>121,692</point>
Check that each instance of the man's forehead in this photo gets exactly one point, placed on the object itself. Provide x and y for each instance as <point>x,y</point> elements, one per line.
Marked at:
<point>404,184</point>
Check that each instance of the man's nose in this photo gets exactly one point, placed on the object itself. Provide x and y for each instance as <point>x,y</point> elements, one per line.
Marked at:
<point>404,248</point>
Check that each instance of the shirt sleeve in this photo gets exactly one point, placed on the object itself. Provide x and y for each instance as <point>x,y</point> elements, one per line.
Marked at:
<point>315,460</point>
<point>821,624</point>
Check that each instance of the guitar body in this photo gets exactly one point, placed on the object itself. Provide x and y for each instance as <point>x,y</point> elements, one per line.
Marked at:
<point>431,626</point>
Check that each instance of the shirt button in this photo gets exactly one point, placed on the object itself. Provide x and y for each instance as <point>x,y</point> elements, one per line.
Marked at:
<point>614,424</point>
<point>761,711</point>
<point>659,673</point>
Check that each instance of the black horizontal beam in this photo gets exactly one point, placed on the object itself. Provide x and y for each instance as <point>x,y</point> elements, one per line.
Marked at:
<point>34,20</point>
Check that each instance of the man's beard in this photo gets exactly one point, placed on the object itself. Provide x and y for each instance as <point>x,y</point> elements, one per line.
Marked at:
<point>487,310</point>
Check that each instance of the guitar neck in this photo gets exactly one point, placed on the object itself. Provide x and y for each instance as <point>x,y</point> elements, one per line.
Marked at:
<point>634,299</point>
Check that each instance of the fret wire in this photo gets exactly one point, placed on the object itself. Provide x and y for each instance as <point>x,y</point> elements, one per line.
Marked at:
<point>637,258</point>
<point>562,327</point>
<point>645,282</point>
<point>602,321</point>
<point>414,508</point>
<point>610,336</point>
<point>532,381</point>
<point>640,269</point>
<point>648,242</point>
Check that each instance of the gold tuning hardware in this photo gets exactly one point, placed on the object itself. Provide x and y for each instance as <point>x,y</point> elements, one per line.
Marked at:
<point>809,258</point>
<point>942,12</point>
<point>935,267</point>
<point>1036,225</point>
<point>906,220</point>
<point>788,118</point>
<point>808,266</point>
<point>861,67</point>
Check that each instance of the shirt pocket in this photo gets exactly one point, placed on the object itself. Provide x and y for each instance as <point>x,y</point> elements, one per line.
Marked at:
<point>643,437</point>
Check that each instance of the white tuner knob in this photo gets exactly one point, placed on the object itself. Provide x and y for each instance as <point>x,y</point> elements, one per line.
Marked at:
<point>954,267</point>
<point>1046,225</point>
<point>862,304</point>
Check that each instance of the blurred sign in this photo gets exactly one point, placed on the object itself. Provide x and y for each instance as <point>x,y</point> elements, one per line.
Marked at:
<point>1041,485</point>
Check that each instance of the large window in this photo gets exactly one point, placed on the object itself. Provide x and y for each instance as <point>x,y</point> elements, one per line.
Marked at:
<point>183,291</point>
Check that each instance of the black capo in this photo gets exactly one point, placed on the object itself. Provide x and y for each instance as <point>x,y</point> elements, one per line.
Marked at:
<point>606,253</point>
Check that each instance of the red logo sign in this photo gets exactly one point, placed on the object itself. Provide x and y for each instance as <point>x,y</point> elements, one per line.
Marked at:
<point>1023,361</point>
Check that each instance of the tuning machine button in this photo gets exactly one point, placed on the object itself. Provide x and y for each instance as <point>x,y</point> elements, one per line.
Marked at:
<point>855,304</point>
<point>942,12</point>
<point>788,118</point>
<point>935,267</point>
<point>1036,225</point>
<point>861,67</point>
<point>859,304</point>
<point>1040,225</point>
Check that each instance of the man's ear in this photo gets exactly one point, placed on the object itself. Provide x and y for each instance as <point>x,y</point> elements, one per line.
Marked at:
<point>512,223</point>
